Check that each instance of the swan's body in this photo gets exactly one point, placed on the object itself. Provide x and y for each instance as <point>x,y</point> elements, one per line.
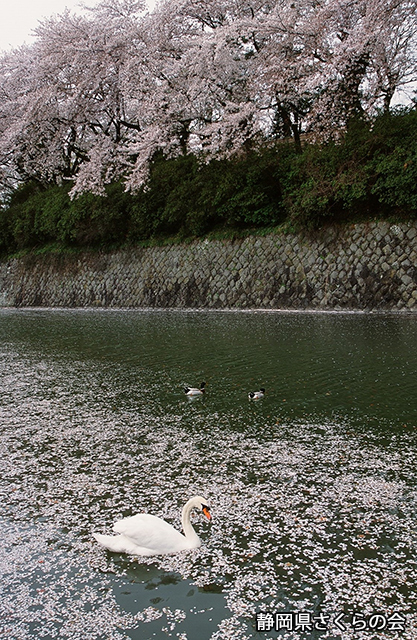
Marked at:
<point>194,391</point>
<point>147,535</point>
<point>256,395</point>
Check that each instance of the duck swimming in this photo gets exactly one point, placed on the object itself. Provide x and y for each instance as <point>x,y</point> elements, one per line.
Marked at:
<point>147,535</point>
<point>194,391</point>
<point>256,395</point>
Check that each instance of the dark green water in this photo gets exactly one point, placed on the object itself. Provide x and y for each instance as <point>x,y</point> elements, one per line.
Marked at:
<point>313,488</point>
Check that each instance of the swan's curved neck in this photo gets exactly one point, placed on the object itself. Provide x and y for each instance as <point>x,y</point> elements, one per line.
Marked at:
<point>188,528</point>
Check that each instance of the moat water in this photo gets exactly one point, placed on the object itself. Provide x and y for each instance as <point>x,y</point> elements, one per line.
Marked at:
<point>313,488</point>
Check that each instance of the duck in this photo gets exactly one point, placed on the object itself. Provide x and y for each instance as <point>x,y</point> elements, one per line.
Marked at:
<point>256,395</point>
<point>194,391</point>
<point>146,535</point>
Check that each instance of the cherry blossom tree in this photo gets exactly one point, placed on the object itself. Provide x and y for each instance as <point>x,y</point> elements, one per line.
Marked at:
<point>367,51</point>
<point>66,107</point>
<point>98,94</point>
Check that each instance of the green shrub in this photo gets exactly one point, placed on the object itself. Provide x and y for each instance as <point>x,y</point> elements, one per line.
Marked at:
<point>247,190</point>
<point>394,163</point>
<point>371,171</point>
<point>187,198</point>
<point>93,220</point>
<point>33,213</point>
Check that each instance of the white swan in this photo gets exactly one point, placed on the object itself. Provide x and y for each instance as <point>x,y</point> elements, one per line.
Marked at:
<point>147,535</point>
<point>193,391</point>
<point>256,395</point>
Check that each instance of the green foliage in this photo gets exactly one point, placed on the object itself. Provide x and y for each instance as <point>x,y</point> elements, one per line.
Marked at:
<point>395,162</point>
<point>171,203</point>
<point>35,216</point>
<point>371,172</point>
<point>326,182</point>
<point>183,197</point>
<point>246,191</point>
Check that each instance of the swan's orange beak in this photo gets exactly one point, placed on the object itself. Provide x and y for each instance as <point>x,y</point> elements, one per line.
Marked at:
<point>206,512</point>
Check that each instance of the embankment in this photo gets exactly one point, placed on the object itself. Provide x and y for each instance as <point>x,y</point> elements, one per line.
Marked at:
<point>370,266</point>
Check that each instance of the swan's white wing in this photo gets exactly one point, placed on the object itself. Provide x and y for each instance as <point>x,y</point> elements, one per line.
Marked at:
<point>151,532</point>
<point>118,544</point>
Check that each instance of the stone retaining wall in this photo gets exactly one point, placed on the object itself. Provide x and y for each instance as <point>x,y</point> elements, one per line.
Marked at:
<point>364,266</point>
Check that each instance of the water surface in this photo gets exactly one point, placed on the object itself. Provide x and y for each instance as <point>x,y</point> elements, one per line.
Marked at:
<point>313,488</point>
